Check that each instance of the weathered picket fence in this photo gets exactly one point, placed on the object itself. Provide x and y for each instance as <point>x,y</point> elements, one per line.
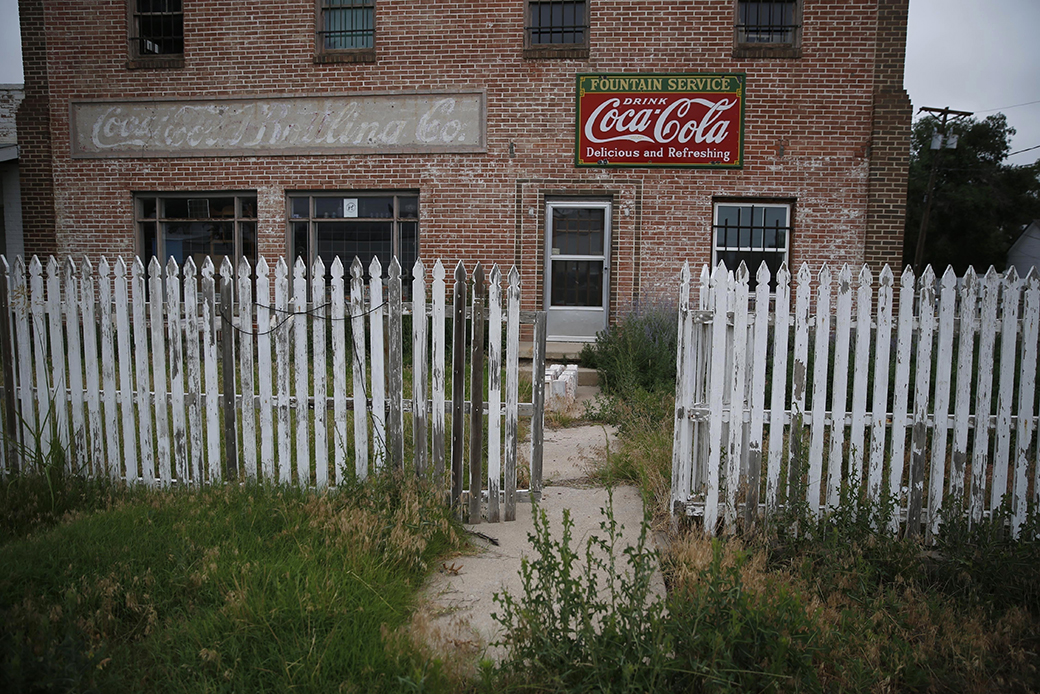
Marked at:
<point>926,398</point>
<point>190,376</point>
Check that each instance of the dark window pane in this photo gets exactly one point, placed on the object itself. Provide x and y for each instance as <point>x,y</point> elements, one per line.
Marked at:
<point>175,208</point>
<point>301,208</point>
<point>409,207</point>
<point>328,208</point>
<point>577,283</point>
<point>378,208</point>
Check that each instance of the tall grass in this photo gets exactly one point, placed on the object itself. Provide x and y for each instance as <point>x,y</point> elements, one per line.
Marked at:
<point>252,588</point>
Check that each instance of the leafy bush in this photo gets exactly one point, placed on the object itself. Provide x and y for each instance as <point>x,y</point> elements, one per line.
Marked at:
<point>567,632</point>
<point>638,352</point>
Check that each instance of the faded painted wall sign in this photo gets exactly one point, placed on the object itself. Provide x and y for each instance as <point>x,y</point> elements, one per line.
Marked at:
<point>366,124</point>
<point>686,120</point>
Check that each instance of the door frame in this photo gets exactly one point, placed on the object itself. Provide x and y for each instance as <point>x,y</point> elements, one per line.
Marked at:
<point>607,205</point>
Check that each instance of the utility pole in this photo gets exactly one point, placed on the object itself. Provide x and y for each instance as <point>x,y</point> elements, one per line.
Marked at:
<point>940,143</point>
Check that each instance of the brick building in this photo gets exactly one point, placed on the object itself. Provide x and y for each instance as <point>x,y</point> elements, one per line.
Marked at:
<point>595,144</point>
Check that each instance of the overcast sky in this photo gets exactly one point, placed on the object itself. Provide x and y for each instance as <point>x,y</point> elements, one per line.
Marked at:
<point>971,55</point>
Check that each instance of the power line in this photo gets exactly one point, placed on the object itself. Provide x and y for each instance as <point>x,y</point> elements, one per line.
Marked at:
<point>1004,108</point>
<point>1027,149</point>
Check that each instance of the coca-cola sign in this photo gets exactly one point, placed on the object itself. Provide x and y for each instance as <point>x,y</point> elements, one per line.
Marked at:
<point>682,120</point>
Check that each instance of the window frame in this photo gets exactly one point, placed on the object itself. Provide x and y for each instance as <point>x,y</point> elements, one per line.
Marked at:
<point>312,221</point>
<point>342,55</point>
<point>238,219</point>
<point>751,204</point>
<point>556,50</point>
<point>751,49</point>
<point>138,60</point>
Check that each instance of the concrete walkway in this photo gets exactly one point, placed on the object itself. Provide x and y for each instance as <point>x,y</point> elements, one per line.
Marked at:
<point>459,599</point>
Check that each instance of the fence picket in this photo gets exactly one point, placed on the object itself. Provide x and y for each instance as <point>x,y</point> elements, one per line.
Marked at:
<point>282,360</point>
<point>341,352</point>
<point>758,392</point>
<point>90,356</point>
<point>76,395</point>
<point>494,444</point>
<point>108,372</point>
<point>781,327</point>
<point>193,370</point>
<point>879,405</point>
<point>207,324</point>
<point>836,460</point>
<point>395,367</point>
<point>941,406</point>
<point>375,324</point>
<point>799,378</point>
<point>821,350</point>
<point>682,428</point>
<point>265,370</point>
<point>175,335</point>
<point>857,429</point>
<point>246,361</point>
<point>962,404</point>
<point>39,351</point>
<point>919,436</point>
<point>1025,429</point>
<point>512,391</point>
<point>1010,290</point>
<point>738,392</point>
<point>145,412</point>
<point>301,377</point>
<point>983,394</point>
<point>901,385</point>
<point>437,383</point>
<point>717,388</point>
<point>57,353</point>
<point>358,361</point>
<point>419,370</point>
<point>124,360</point>
<point>321,435</point>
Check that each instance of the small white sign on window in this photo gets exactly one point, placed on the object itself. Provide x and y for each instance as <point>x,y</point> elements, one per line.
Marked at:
<point>350,207</point>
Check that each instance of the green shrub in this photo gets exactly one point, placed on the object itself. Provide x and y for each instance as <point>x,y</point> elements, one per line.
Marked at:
<point>638,352</point>
<point>567,632</point>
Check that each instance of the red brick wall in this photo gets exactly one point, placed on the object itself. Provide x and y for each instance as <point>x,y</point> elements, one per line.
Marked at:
<point>812,125</point>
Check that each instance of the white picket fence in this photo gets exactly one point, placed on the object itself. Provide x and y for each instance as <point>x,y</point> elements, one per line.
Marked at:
<point>130,373</point>
<point>925,392</point>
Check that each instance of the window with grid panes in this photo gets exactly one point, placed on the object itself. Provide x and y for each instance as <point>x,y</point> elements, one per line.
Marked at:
<point>769,28</point>
<point>196,226</point>
<point>556,29</point>
<point>346,30</point>
<point>752,233</point>
<point>349,225</point>
<point>156,33</point>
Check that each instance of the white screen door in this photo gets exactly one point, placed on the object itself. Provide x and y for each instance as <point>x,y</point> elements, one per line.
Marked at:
<point>577,279</point>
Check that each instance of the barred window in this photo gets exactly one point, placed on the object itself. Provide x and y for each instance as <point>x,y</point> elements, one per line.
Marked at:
<point>346,30</point>
<point>156,33</point>
<point>770,28</point>
<point>365,225</point>
<point>556,29</point>
<point>753,233</point>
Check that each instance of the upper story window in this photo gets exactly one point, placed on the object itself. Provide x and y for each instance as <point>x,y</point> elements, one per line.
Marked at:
<point>346,31</point>
<point>156,33</point>
<point>556,29</point>
<point>753,233</point>
<point>770,29</point>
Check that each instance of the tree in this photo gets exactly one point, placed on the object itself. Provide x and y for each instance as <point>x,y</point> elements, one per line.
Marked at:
<point>980,204</point>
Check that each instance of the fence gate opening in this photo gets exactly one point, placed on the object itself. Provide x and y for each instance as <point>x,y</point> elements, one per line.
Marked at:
<point>199,375</point>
